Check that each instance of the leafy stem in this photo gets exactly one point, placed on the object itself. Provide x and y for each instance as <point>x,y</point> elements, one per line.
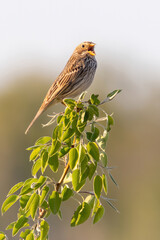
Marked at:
<point>79,140</point>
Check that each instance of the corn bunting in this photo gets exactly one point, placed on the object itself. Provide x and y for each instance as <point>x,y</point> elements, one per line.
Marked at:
<point>75,78</point>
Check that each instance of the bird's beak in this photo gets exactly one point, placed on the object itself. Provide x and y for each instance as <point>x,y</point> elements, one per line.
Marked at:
<point>91,49</point>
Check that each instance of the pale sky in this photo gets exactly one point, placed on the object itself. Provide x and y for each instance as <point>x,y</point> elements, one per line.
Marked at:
<point>46,32</point>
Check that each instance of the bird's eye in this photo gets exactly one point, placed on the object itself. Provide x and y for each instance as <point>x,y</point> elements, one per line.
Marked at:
<point>82,45</point>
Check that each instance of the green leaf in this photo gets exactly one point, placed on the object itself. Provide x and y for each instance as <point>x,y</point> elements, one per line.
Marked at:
<point>111,95</point>
<point>67,134</point>
<point>93,150</point>
<point>110,122</point>
<point>105,135</point>
<point>92,169</point>
<point>81,125</point>
<point>56,132</point>
<point>25,233</point>
<point>64,151</point>
<point>33,147</point>
<point>36,166</point>
<point>68,112</point>
<point>22,212</point>
<point>84,165</point>
<point>66,122</point>
<point>113,180</point>
<point>91,114</point>
<point>92,136</point>
<point>102,140</point>
<point>19,224</point>
<point>60,130</point>
<point>74,122</point>
<point>95,134</point>
<point>89,135</point>
<point>30,236</point>
<point>55,147</point>
<point>40,182</point>
<point>74,114</point>
<point>28,204</point>
<point>111,205</point>
<point>15,188</point>
<point>105,184</point>
<point>73,158</point>
<point>44,230</point>
<point>77,184</point>
<point>99,214</point>
<point>53,162</point>
<point>70,103</point>
<point>94,99</point>
<point>43,140</point>
<point>101,143</point>
<point>27,186</point>
<point>75,216</point>
<point>8,203</point>
<point>34,154</point>
<point>23,200</point>
<point>68,142</point>
<point>45,190</point>
<point>2,236</point>
<point>59,214</point>
<point>103,158</point>
<point>44,161</point>
<point>82,153</point>
<point>10,226</point>
<point>54,202</point>
<point>68,178</point>
<point>45,205</point>
<point>84,116</point>
<point>59,118</point>
<point>82,95</point>
<point>97,186</point>
<point>66,193</point>
<point>95,206</point>
<point>34,205</point>
<point>81,215</point>
<point>84,174</point>
<point>94,110</point>
<point>90,200</point>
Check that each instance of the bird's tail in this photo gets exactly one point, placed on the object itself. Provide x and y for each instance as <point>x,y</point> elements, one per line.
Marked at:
<point>40,111</point>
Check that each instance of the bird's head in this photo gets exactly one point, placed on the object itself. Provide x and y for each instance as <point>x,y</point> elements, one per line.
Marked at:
<point>86,48</point>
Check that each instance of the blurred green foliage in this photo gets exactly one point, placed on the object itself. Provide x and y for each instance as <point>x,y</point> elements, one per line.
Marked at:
<point>133,148</point>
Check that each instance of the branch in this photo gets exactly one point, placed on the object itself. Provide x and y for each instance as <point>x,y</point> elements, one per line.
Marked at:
<point>62,177</point>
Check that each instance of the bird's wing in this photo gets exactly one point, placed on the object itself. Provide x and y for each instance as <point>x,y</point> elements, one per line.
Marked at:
<point>64,81</point>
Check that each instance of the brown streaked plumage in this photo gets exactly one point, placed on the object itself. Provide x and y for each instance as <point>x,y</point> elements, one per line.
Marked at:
<point>75,78</point>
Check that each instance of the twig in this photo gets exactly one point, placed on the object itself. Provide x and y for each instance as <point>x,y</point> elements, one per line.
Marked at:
<point>62,177</point>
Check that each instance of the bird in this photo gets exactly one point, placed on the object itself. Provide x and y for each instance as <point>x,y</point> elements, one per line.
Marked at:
<point>75,78</point>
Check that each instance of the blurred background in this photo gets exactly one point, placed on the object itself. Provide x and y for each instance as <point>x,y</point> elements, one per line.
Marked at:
<point>37,38</point>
